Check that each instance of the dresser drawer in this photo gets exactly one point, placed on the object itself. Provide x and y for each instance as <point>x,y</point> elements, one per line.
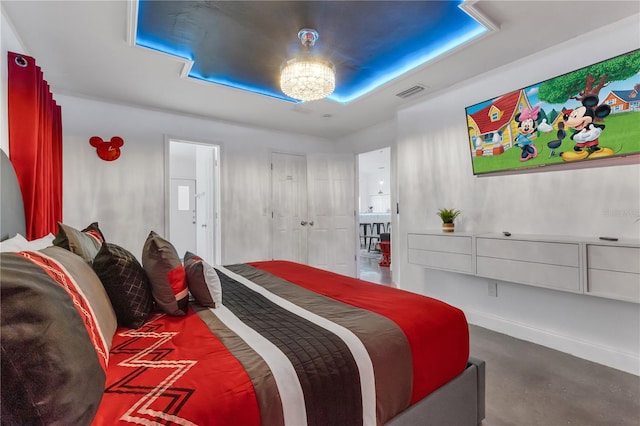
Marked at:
<point>441,260</point>
<point>552,253</point>
<point>613,272</point>
<point>614,258</point>
<point>442,243</point>
<point>557,277</point>
<point>613,285</point>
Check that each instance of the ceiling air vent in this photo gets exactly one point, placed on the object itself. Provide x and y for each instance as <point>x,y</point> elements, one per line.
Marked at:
<point>410,91</point>
<point>301,110</point>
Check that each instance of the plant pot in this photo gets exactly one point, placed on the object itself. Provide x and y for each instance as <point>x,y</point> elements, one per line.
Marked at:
<point>447,227</point>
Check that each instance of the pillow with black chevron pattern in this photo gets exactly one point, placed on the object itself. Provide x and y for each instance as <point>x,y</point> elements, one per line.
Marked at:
<point>126,284</point>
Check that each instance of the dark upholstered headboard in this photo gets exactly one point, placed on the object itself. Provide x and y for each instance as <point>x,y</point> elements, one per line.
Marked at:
<point>12,219</point>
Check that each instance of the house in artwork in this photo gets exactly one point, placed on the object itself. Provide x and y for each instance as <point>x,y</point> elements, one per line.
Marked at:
<point>623,100</point>
<point>493,129</point>
<point>554,118</point>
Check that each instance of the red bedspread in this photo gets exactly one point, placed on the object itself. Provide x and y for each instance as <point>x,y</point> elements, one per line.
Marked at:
<point>440,338</point>
<point>174,371</point>
<point>177,370</point>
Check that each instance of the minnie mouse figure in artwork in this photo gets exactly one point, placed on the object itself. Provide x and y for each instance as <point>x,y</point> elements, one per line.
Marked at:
<point>527,125</point>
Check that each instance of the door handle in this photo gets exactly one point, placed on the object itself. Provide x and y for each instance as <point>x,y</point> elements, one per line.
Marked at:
<point>204,225</point>
<point>303,223</point>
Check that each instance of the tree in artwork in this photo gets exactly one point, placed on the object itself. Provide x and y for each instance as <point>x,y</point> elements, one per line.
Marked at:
<point>589,80</point>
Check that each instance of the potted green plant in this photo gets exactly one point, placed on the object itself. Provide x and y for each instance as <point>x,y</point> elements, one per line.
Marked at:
<point>448,216</point>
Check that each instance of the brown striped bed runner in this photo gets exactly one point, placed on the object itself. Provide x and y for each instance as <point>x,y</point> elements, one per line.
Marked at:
<point>312,360</point>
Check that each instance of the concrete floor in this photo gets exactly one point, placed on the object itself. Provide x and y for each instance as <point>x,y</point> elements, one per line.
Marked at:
<point>531,385</point>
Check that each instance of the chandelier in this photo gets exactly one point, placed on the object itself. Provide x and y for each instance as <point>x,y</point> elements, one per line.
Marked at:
<point>307,78</point>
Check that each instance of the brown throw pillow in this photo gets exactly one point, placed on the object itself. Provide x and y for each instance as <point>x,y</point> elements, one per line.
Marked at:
<point>203,281</point>
<point>126,284</point>
<point>166,273</point>
<point>94,230</point>
<point>85,243</point>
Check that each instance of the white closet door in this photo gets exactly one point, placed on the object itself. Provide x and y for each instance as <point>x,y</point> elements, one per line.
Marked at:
<point>289,204</point>
<point>332,236</point>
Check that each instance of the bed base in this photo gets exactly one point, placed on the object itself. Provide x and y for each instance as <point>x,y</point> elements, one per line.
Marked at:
<point>460,402</point>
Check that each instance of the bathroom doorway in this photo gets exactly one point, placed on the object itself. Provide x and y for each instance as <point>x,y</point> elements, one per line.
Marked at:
<point>194,199</point>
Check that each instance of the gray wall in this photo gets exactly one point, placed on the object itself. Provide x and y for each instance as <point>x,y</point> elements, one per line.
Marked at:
<point>127,196</point>
<point>434,170</point>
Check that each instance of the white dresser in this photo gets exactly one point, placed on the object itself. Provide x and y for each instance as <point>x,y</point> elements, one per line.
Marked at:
<point>593,267</point>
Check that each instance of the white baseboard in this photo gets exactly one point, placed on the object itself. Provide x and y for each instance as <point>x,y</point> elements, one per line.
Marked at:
<point>590,351</point>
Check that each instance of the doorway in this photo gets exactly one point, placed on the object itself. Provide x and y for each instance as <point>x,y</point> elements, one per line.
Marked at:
<point>374,212</point>
<point>194,199</point>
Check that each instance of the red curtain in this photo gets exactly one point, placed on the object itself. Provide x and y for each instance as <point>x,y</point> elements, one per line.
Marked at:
<point>35,144</point>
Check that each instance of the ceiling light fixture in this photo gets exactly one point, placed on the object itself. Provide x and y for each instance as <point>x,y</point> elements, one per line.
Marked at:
<point>307,78</point>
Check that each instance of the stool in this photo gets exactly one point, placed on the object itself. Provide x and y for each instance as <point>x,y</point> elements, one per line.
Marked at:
<point>376,229</point>
<point>365,232</point>
<point>385,247</point>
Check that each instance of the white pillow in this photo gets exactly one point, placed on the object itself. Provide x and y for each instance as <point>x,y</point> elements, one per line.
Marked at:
<point>17,243</point>
<point>40,243</point>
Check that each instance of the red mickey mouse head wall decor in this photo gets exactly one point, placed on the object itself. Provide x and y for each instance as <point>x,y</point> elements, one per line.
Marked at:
<point>107,150</point>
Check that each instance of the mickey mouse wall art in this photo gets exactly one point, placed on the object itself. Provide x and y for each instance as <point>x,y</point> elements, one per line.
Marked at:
<point>587,115</point>
<point>107,150</point>
<point>586,133</point>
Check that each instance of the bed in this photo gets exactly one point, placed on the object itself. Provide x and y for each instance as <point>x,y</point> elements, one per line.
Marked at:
<point>288,345</point>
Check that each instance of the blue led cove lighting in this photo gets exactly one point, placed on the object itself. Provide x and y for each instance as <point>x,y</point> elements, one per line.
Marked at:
<point>425,38</point>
